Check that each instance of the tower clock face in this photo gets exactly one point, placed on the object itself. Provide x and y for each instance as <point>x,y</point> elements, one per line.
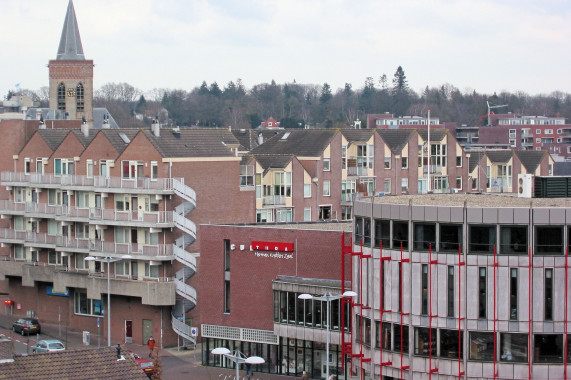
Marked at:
<point>71,92</point>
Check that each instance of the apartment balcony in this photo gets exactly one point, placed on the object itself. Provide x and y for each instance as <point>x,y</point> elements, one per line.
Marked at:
<point>85,183</point>
<point>149,219</point>
<point>274,200</point>
<point>152,291</point>
<point>359,171</point>
<point>138,251</point>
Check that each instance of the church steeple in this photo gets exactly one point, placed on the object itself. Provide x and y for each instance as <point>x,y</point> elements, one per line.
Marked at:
<point>70,43</point>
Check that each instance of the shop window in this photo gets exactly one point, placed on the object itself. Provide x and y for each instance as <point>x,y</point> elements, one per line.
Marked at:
<point>424,236</point>
<point>482,287</point>
<point>513,240</point>
<point>423,340</point>
<point>449,344</point>
<point>548,240</point>
<point>382,233</point>
<point>548,348</point>
<point>400,235</point>
<point>513,348</point>
<point>401,338</point>
<point>450,237</point>
<point>481,346</point>
<point>548,296</point>
<point>481,239</point>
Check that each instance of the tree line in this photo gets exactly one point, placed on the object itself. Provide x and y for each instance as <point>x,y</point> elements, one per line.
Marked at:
<point>296,105</point>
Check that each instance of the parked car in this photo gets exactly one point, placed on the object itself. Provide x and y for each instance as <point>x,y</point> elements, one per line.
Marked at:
<point>27,326</point>
<point>146,365</point>
<point>48,345</point>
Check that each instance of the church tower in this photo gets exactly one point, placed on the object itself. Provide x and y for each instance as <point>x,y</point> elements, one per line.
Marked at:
<point>71,75</point>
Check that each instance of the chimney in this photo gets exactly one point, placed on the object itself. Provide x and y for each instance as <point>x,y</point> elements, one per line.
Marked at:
<point>42,122</point>
<point>118,351</point>
<point>260,138</point>
<point>105,122</point>
<point>156,128</point>
<point>84,127</point>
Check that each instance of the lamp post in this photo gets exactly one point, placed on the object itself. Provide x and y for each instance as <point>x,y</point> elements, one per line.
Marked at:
<point>327,297</point>
<point>108,260</point>
<point>237,357</point>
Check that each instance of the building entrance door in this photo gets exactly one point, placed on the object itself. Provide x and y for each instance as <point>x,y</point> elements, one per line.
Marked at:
<point>147,330</point>
<point>128,331</point>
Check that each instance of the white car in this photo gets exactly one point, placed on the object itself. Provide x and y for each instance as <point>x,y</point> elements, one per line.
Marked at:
<point>48,345</point>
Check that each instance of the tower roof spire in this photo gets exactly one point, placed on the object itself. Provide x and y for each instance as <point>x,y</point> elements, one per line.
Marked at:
<point>70,43</point>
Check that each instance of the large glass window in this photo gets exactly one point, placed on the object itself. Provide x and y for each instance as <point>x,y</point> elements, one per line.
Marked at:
<point>482,346</point>
<point>424,236</point>
<point>548,348</point>
<point>481,239</point>
<point>401,338</point>
<point>423,340</point>
<point>548,240</point>
<point>382,233</point>
<point>400,234</point>
<point>87,306</point>
<point>450,237</point>
<point>449,344</point>
<point>513,240</point>
<point>513,348</point>
<point>383,335</point>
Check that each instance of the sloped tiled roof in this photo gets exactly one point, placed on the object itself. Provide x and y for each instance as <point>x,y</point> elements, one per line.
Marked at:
<point>53,137</point>
<point>474,159</point>
<point>304,142</point>
<point>193,142</point>
<point>357,135</point>
<point>396,139</point>
<point>115,139</point>
<point>273,161</point>
<point>530,159</point>
<point>436,134</point>
<point>81,364</point>
<point>500,156</point>
<point>248,138</point>
<point>85,141</point>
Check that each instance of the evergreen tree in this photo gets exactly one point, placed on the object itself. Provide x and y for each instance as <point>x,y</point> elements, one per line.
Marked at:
<point>203,90</point>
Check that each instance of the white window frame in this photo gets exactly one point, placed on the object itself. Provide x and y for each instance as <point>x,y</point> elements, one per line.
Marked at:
<point>307,214</point>
<point>387,186</point>
<point>27,165</point>
<point>459,178</point>
<point>326,164</point>
<point>89,168</point>
<point>326,188</point>
<point>307,190</point>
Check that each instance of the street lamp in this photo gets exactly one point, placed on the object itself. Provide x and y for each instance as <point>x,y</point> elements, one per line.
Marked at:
<point>237,357</point>
<point>328,297</point>
<point>108,260</point>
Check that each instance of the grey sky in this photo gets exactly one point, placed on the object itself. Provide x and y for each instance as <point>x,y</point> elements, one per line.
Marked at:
<point>486,45</point>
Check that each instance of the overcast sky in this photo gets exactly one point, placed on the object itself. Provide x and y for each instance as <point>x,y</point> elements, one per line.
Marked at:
<point>485,45</point>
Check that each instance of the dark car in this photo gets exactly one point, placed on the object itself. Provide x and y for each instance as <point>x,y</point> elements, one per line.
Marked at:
<point>27,326</point>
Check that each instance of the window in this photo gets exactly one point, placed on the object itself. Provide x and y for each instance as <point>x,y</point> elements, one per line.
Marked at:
<point>382,233</point>
<point>400,234</point>
<point>326,164</point>
<point>79,98</point>
<point>549,240</point>
<point>307,190</point>
<point>450,292</point>
<point>27,166</point>
<point>459,183</point>
<point>458,161</point>
<point>513,240</point>
<point>40,165</point>
<point>87,306</point>
<point>513,294</point>
<point>122,202</point>
<point>387,162</point>
<point>284,215</point>
<point>538,140</point>
<point>81,230</point>
<point>424,339</point>
<point>482,239</point>
<point>132,169</point>
<point>226,296</point>
<point>19,252</point>
<point>52,227</point>
<point>18,223</point>
<point>264,216</point>
<point>548,296</point>
<point>151,270</point>
<point>449,344</point>
<point>82,199</point>
<point>103,172</point>
<point>404,162</point>
<point>258,185</point>
<point>154,170</point>
<point>400,281</point>
<point>513,347</point>
<point>481,346</point>
<point>365,157</point>
<point>387,186</point>
<point>326,188</point>
<point>401,338</point>
<point>89,169</point>
<point>19,194</point>
<point>348,188</point>
<point>346,212</point>
<point>482,286</point>
<point>343,156</point>
<point>450,237</point>
<point>282,184</point>
<point>307,214</point>
<point>122,267</point>
<point>549,131</point>
<point>437,156</point>
<point>80,262</point>
<point>367,231</point>
<point>63,166</point>
<point>404,185</point>
<point>424,236</point>
<point>475,184</point>
<point>383,335</point>
<point>548,348</point>
<point>246,175</point>
<point>424,294</point>
<point>538,131</point>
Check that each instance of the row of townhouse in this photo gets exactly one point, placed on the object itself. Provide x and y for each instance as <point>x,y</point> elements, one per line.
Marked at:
<point>87,210</point>
<point>308,175</point>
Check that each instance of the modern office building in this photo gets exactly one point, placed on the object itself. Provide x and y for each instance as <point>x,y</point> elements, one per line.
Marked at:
<point>461,286</point>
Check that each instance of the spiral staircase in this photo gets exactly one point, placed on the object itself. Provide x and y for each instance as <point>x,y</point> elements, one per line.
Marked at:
<point>186,299</point>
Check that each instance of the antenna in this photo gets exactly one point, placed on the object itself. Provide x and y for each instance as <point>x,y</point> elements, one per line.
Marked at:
<point>490,106</point>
